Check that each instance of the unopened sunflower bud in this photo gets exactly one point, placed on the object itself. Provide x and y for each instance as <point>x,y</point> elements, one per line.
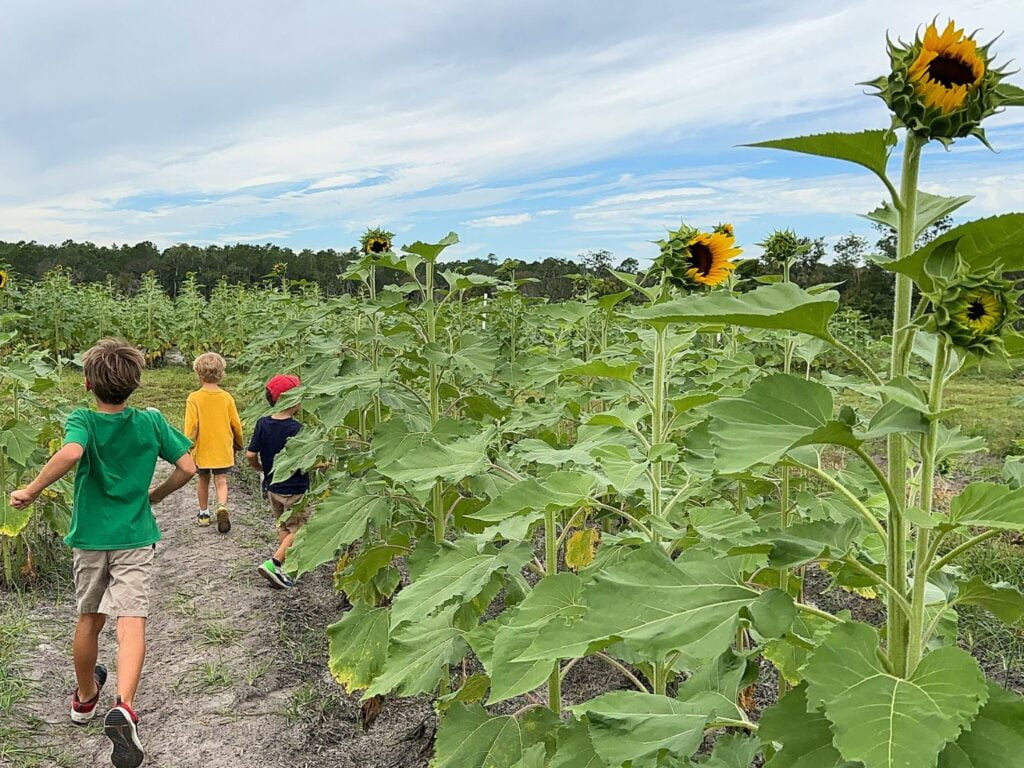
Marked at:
<point>972,312</point>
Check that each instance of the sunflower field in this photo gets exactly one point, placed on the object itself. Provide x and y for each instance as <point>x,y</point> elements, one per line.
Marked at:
<point>661,482</point>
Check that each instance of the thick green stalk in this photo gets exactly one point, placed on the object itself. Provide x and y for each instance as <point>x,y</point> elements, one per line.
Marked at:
<point>896,558</point>
<point>915,650</point>
<point>658,415</point>
<point>437,494</point>
<point>551,568</point>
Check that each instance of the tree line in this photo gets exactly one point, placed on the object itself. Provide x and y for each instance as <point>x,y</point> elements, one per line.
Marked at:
<point>863,284</point>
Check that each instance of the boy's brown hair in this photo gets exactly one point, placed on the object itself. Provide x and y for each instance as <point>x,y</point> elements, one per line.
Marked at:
<point>113,370</point>
<point>209,367</point>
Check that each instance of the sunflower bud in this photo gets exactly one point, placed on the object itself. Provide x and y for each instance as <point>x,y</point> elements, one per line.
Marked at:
<point>972,311</point>
<point>689,256</point>
<point>942,86</point>
<point>783,246</point>
<point>376,240</point>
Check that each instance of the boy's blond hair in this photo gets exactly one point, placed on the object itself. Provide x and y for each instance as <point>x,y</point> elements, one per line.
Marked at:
<point>209,367</point>
<point>113,370</point>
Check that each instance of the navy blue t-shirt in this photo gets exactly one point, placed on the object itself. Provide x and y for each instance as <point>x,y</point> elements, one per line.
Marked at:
<point>268,440</point>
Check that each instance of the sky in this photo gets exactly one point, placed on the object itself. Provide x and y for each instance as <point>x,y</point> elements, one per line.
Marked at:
<point>533,128</point>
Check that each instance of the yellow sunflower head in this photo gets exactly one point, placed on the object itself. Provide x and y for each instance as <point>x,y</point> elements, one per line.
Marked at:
<point>4,277</point>
<point>690,257</point>
<point>376,240</point>
<point>943,85</point>
<point>972,311</point>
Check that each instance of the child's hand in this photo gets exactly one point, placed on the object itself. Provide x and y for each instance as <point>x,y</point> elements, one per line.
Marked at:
<point>155,498</point>
<point>22,498</point>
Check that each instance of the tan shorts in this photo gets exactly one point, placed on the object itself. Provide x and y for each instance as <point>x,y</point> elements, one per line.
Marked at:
<point>113,581</point>
<point>283,502</point>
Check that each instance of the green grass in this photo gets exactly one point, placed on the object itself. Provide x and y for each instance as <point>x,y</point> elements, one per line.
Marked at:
<point>986,410</point>
<point>218,633</point>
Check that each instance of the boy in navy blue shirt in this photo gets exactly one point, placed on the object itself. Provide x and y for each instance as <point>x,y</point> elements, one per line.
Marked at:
<point>285,496</point>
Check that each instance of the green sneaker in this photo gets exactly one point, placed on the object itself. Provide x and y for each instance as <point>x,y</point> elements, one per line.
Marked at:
<point>223,519</point>
<point>277,578</point>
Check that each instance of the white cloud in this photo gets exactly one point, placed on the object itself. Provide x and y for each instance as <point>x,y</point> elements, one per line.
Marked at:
<point>446,115</point>
<point>506,220</point>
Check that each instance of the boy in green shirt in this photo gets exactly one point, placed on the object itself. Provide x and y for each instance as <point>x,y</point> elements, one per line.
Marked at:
<point>113,532</point>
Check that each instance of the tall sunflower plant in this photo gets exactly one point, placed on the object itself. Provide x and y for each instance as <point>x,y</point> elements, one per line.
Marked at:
<point>901,693</point>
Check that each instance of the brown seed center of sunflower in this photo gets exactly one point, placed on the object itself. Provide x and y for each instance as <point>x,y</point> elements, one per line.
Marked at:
<point>702,258</point>
<point>377,246</point>
<point>950,71</point>
<point>976,310</point>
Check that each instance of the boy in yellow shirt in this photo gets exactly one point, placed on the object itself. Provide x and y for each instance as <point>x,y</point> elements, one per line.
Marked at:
<point>212,423</point>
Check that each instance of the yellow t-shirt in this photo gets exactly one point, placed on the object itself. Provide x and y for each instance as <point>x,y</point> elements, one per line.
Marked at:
<point>212,424</point>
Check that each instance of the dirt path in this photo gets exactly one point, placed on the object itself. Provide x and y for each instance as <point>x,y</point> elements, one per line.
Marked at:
<point>236,672</point>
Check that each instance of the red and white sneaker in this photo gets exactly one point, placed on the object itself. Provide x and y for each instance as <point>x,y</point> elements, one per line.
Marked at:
<point>121,726</point>
<point>84,711</point>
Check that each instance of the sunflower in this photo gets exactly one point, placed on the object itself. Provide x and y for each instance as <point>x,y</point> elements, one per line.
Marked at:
<point>943,85</point>
<point>972,311</point>
<point>4,277</point>
<point>947,67</point>
<point>689,256</point>
<point>376,240</point>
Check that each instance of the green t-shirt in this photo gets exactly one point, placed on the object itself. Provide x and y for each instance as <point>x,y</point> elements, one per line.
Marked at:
<point>112,480</point>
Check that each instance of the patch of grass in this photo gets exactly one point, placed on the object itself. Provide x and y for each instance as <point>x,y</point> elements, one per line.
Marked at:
<point>183,604</point>
<point>216,633</point>
<point>307,704</point>
<point>20,731</point>
<point>985,400</point>
<point>257,670</point>
<point>208,677</point>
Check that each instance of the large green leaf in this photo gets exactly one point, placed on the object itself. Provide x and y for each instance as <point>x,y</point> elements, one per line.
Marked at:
<point>655,606</point>
<point>417,459</point>
<point>643,729</point>
<point>989,505</point>
<point>558,490</point>
<point>983,245</point>
<point>419,655</point>
<point>459,571</point>
<point>995,738</point>
<point>716,685</point>
<point>805,736</point>
<point>930,208</point>
<point>430,251</point>
<point>19,440</point>
<point>782,306</point>
<point>575,748</point>
<point>886,721</point>
<point>340,519</point>
<point>554,598</point>
<point>358,646</point>
<point>731,751</point>
<point>1003,600</point>
<point>868,148</point>
<point>468,737</point>
<point>602,369</point>
<point>777,414</point>
<point>12,520</point>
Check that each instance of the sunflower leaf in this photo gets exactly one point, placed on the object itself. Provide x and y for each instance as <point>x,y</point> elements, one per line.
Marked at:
<point>930,208</point>
<point>358,646</point>
<point>782,306</point>
<point>777,414</point>
<point>870,149</point>
<point>468,737</point>
<point>430,251</point>
<point>805,736</point>
<point>995,734</point>
<point>982,245</point>
<point>886,721</point>
<point>988,505</point>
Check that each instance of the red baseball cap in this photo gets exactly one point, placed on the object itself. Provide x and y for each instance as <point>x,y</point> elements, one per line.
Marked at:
<point>280,384</point>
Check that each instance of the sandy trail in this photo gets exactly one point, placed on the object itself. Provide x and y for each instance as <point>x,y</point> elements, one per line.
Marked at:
<point>218,682</point>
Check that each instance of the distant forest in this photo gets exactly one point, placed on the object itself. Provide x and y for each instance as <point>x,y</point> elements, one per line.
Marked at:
<point>864,286</point>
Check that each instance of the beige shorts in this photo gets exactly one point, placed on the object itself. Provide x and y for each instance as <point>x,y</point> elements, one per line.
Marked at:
<point>280,503</point>
<point>113,581</point>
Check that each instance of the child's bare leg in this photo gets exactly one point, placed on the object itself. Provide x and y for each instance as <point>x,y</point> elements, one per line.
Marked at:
<point>131,652</point>
<point>203,491</point>
<point>221,484</point>
<point>286,538</point>
<point>85,650</point>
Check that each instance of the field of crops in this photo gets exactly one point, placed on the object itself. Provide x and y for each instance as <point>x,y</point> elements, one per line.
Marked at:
<point>760,528</point>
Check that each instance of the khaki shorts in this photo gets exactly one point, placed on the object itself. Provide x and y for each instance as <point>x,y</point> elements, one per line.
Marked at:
<point>113,581</point>
<point>283,502</point>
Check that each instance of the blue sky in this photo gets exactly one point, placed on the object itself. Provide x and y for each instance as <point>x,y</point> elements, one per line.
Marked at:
<point>532,128</point>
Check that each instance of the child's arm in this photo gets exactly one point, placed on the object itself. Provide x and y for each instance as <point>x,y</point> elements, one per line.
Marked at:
<point>184,470</point>
<point>191,429</point>
<point>254,460</point>
<point>236,427</point>
<point>62,462</point>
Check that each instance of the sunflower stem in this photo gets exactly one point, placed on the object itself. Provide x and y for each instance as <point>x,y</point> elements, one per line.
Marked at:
<point>896,556</point>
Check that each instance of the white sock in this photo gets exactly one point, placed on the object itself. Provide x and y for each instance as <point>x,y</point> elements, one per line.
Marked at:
<point>204,511</point>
